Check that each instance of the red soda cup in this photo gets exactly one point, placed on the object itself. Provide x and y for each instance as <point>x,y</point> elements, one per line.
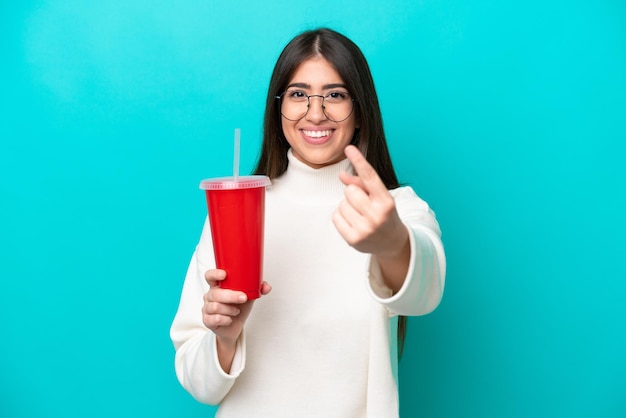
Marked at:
<point>236,207</point>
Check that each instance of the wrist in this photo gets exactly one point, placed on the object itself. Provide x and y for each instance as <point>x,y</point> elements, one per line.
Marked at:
<point>396,246</point>
<point>394,264</point>
<point>226,350</point>
<point>226,343</point>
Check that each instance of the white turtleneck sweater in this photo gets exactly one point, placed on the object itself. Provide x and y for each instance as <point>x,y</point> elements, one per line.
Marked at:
<point>323,342</point>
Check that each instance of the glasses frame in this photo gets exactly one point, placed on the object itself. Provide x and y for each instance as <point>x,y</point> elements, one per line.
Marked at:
<point>308,106</point>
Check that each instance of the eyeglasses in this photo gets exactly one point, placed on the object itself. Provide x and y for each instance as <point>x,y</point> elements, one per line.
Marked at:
<point>336,105</point>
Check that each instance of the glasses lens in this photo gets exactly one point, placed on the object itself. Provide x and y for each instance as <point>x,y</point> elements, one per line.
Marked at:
<point>337,105</point>
<point>294,104</point>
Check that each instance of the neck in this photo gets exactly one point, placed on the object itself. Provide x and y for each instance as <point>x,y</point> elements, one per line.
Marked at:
<point>313,185</point>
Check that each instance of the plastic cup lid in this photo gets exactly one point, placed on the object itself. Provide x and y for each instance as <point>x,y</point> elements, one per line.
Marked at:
<point>229,183</point>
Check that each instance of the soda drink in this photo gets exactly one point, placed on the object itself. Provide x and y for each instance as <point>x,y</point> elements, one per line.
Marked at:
<point>236,208</point>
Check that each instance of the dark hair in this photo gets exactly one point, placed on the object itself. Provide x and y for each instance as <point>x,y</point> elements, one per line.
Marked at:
<point>348,60</point>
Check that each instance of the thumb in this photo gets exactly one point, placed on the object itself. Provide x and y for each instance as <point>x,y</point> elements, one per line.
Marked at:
<point>350,179</point>
<point>265,288</point>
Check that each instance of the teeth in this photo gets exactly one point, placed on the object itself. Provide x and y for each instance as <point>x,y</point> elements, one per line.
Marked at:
<point>316,134</point>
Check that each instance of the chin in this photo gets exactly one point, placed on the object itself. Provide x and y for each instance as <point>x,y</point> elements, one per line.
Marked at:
<point>318,160</point>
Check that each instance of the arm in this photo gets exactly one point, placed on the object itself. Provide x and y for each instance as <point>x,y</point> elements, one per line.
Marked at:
<point>400,232</point>
<point>197,361</point>
<point>423,284</point>
<point>395,260</point>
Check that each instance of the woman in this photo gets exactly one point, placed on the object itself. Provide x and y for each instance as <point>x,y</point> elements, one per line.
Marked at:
<point>346,252</point>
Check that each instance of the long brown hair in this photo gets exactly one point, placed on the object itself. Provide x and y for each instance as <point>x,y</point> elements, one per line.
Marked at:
<point>348,60</point>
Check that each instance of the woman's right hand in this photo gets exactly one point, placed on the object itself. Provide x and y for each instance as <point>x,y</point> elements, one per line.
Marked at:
<point>224,312</point>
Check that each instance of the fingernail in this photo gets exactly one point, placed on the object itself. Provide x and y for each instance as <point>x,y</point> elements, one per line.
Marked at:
<point>242,298</point>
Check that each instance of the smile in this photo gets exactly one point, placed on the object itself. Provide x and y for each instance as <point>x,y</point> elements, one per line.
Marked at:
<point>317,134</point>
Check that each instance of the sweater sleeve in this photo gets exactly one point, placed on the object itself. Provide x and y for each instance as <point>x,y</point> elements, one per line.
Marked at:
<point>423,286</point>
<point>196,362</point>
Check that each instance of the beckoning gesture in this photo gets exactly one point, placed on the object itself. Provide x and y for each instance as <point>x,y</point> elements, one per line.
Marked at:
<point>367,219</point>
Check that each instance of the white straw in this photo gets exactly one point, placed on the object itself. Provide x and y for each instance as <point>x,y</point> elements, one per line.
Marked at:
<point>236,161</point>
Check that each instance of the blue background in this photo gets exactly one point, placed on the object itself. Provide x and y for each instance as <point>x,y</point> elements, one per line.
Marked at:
<point>507,117</point>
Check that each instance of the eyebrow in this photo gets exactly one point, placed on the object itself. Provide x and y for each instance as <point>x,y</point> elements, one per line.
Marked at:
<point>324,87</point>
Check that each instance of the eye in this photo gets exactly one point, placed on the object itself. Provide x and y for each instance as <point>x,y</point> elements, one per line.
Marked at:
<point>337,96</point>
<point>296,95</point>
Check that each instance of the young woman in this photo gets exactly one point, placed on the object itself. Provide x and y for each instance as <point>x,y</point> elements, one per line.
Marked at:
<point>347,251</point>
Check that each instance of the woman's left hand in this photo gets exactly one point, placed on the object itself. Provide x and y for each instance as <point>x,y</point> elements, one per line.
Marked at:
<point>367,217</point>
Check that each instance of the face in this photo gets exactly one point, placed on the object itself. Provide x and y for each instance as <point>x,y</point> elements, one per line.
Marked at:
<point>315,139</point>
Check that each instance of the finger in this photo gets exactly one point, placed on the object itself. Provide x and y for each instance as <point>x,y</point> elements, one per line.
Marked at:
<point>358,199</point>
<point>220,295</point>
<point>371,181</point>
<point>213,322</point>
<point>216,308</point>
<point>344,228</point>
<point>350,215</point>
<point>214,277</point>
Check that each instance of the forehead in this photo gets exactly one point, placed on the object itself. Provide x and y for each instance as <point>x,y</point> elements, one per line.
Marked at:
<point>316,72</point>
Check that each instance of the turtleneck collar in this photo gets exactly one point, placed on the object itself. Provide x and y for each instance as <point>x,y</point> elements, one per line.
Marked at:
<point>308,184</point>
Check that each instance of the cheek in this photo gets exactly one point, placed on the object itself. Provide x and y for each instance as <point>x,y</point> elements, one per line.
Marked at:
<point>351,130</point>
<point>288,130</point>
<point>284,126</point>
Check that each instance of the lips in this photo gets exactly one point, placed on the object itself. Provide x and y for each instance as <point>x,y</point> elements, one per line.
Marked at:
<point>317,137</point>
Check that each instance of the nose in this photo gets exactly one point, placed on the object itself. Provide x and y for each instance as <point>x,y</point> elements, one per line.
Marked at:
<point>315,111</point>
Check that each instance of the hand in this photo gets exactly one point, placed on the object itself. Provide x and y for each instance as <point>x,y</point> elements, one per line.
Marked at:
<point>367,217</point>
<point>225,311</point>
